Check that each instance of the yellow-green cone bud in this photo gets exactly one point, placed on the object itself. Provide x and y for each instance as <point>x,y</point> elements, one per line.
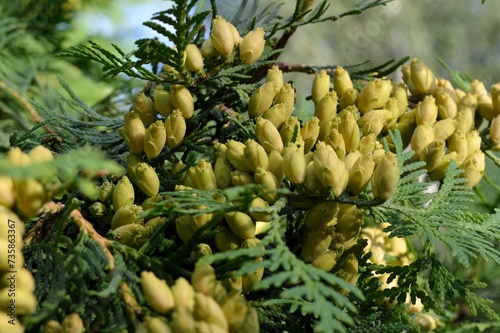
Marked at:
<point>98,209</point>
<point>310,133</point>
<point>205,176</point>
<point>222,36</point>
<point>184,228</point>
<point>274,74</point>
<point>474,167</point>
<point>240,178</point>
<point>155,139</point>
<point>443,129</point>
<point>182,100</point>
<point>52,326</point>
<point>208,50</point>
<point>156,325</point>
<point>123,193</point>
<point>289,128</point>
<point>252,46</point>
<point>207,310</point>
<point>277,114</point>
<point>321,214</point>
<point>361,173</point>
<point>341,81</point>
<point>321,86</point>
<point>351,158</point>
<point>439,172</point>
<point>144,107</point>
<point>444,85</point>
<point>262,99</point>
<point>126,215</point>
<point>326,108</point>
<point>133,132</point>
<point>162,101</point>
<point>427,111</point>
<point>222,171</point>
<point>175,126</point>
<point>433,154</point>
<point>422,77</point>
<point>156,292</point>
<point>326,261</point>
<point>260,216</point>
<point>269,182</point>
<point>276,165</point>
<point>473,141</point>
<point>25,301</point>
<point>495,98</point>
<point>194,59</point>
<point>255,155</point>
<point>294,163</point>
<point>421,138</point>
<point>468,101</point>
<point>40,154</point>
<point>183,293</point>
<point>385,177</point>
<point>336,141</point>
<point>495,133</point>
<point>30,196</point>
<point>374,121</point>
<point>367,144</point>
<point>105,190</point>
<point>236,155</point>
<point>203,279</point>
<point>349,269</point>
<point>349,128</point>
<point>241,224</point>
<point>401,95</point>
<point>7,194</point>
<point>458,142</point>
<point>485,107</point>
<point>374,95</point>
<point>202,249</point>
<point>286,95</point>
<point>72,324</point>
<point>16,157</point>
<point>249,281</point>
<point>447,107</point>
<point>226,240</point>
<point>349,98</point>
<point>182,321</point>
<point>133,235</point>
<point>316,243</point>
<point>146,178</point>
<point>349,225</point>
<point>268,135</point>
<point>465,119</point>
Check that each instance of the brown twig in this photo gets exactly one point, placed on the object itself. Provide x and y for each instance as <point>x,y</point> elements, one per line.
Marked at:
<point>36,117</point>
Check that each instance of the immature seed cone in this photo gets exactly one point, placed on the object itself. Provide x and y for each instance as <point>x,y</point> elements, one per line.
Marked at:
<point>421,138</point>
<point>443,129</point>
<point>182,100</point>
<point>268,135</point>
<point>433,154</point>
<point>316,243</point>
<point>269,182</point>
<point>239,178</point>
<point>274,74</point>
<point>25,301</point>
<point>326,108</point>
<point>286,95</point>
<point>260,216</point>
<point>162,101</point>
<point>350,97</point>
<point>255,155</point>
<point>52,326</point>
<point>310,133</point>
<point>341,81</point>
<point>277,114</point>
<point>123,193</point>
<point>427,111</point>
<point>495,98</point>
<point>276,165</point>
<point>474,167</point>
<point>133,132</point>
<point>146,178</point>
<point>208,50</point>
<point>321,86</point>
<point>144,108</point>
<point>294,163</point>
<point>336,141</point>
<point>374,95</point>
<point>422,77</point>
<point>321,214</point>
<point>290,128</point>
<point>207,310</point>
<point>326,261</point>
<point>222,36</point>
<point>226,240</point>
<point>205,176</point>
<point>155,139</point>
<point>133,235</point>
<point>252,46</point>
<point>30,196</point>
<point>157,293</point>
<point>40,154</point>
<point>126,215</point>
<point>458,142</point>
<point>495,133</point>
<point>385,177</point>
<point>175,126</point>
<point>349,128</point>
<point>7,194</point>
<point>361,173</point>
<point>262,99</point>
<point>203,279</point>
<point>241,224</point>
<point>236,155</point>
<point>194,59</point>
<point>399,92</point>
<point>72,324</point>
<point>183,293</point>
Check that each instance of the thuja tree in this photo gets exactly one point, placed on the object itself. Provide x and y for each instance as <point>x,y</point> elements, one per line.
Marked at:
<point>209,206</point>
